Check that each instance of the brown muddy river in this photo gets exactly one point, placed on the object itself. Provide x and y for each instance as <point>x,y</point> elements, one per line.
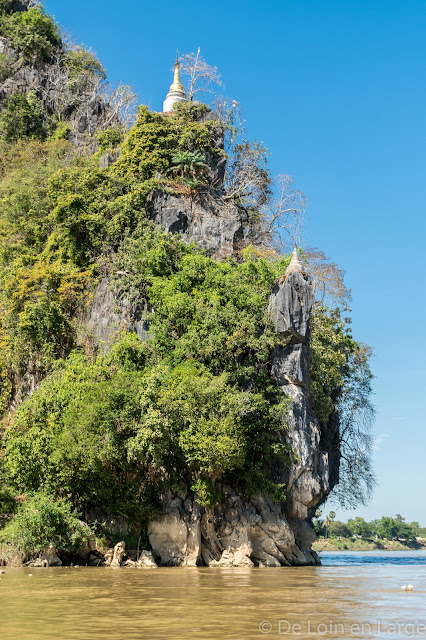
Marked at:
<point>355,595</point>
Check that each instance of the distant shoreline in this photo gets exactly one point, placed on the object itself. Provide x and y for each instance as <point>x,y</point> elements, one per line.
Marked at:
<point>349,544</point>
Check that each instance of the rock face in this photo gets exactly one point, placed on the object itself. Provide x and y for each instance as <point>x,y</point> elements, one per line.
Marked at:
<point>313,476</point>
<point>215,226</point>
<point>119,552</point>
<point>175,537</point>
<point>48,558</point>
<point>235,534</point>
<point>109,314</point>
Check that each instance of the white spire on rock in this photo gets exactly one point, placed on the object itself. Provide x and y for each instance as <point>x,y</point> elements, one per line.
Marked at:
<point>295,264</point>
<point>176,91</point>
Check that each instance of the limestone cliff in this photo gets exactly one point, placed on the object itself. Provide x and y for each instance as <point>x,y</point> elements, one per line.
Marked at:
<point>238,531</point>
<point>134,186</point>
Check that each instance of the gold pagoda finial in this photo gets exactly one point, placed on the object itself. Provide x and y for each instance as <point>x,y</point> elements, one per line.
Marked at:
<point>177,85</point>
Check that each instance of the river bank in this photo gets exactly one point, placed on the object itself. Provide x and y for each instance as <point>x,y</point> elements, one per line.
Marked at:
<point>358,544</point>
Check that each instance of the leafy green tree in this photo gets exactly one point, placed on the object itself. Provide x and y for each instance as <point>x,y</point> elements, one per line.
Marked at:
<point>80,62</point>
<point>190,164</point>
<point>41,521</point>
<point>23,117</point>
<point>33,33</point>
<point>359,527</point>
<point>388,528</point>
<point>111,431</point>
<point>339,529</point>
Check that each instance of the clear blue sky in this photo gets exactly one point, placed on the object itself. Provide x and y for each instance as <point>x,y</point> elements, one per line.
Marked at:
<point>336,91</point>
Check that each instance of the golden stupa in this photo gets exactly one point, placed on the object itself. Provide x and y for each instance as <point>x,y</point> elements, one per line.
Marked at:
<point>176,91</point>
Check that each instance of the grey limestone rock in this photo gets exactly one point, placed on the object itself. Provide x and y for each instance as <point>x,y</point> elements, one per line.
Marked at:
<point>119,552</point>
<point>146,560</point>
<point>175,537</point>
<point>290,365</point>
<point>290,306</point>
<point>206,220</point>
<point>48,558</point>
<point>109,314</point>
<point>312,476</point>
<point>235,533</point>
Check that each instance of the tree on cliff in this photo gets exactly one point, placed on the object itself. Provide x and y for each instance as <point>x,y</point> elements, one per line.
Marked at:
<point>76,100</point>
<point>201,75</point>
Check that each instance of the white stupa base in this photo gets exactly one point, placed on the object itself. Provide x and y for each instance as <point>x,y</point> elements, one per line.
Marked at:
<point>171,99</point>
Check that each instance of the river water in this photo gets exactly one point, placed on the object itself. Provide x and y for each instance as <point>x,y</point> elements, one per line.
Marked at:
<point>353,595</point>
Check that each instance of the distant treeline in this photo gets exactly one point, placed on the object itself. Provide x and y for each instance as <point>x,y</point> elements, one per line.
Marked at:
<point>384,528</point>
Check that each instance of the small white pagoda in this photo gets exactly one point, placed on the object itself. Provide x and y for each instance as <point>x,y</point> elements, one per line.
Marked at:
<point>176,92</point>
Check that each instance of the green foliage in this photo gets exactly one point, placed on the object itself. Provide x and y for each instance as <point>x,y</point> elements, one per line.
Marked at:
<point>110,138</point>
<point>60,214</point>
<point>39,288</point>
<point>206,492</point>
<point>5,65</point>
<point>339,529</point>
<point>215,312</point>
<point>60,130</point>
<point>7,498</point>
<point>154,141</point>
<point>359,527</point>
<point>23,117</point>
<point>80,62</point>
<point>385,528</point>
<point>112,430</point>
<point>331,347</point>
<point>33,33</point>
<point>41,521</point>
<point>189,164</point>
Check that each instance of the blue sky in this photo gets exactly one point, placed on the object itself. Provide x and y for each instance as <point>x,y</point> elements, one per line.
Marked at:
<point>336,91</point>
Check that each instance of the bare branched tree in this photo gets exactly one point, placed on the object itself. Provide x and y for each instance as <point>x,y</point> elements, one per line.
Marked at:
<point>75,89</point>
<point>122,105</point>
<point>356,413</point>
<point>330,288</point>
<point>231,117</point>
<point>275,210</point>
<point>284,216</point>
<point>247,178</point>
<point>201,76</point>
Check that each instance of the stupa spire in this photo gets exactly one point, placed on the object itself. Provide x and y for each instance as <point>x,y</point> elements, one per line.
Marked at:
<point>295,264</point>
<point>176,91</point>
<point>176,84</point>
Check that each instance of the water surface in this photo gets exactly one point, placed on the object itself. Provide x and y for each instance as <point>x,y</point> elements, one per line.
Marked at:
<point>354,595</point>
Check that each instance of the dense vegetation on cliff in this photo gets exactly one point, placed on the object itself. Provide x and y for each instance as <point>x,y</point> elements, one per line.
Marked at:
<point>195,404</point>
